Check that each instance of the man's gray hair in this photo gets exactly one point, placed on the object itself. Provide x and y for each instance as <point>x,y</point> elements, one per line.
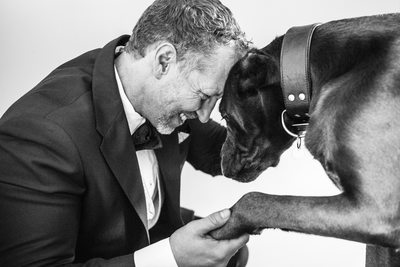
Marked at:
<point>194,26</point>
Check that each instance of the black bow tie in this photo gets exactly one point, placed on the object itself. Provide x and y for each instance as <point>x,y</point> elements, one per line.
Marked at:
<point>146,137</point>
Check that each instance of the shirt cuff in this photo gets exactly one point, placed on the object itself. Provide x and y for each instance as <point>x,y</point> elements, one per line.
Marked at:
<point>155,254</point>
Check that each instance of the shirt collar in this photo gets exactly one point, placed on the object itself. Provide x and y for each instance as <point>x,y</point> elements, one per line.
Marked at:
<point>134,119</point>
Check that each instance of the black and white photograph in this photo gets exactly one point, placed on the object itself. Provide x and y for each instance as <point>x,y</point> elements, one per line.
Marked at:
<point>200,133</point>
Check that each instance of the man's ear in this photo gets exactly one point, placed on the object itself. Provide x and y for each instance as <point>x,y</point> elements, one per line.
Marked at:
<point>165,56</point>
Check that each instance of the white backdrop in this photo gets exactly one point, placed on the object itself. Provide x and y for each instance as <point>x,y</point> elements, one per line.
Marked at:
<point>38,35</point>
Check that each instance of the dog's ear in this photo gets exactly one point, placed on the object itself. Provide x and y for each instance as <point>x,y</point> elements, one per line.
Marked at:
<point>253,73</point>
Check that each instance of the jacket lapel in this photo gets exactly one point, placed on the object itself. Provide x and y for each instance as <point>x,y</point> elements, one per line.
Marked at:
<point>117,146</point>
<point>118,150</point>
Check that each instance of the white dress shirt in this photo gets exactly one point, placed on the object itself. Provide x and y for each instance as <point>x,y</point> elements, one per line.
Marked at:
<point>149,171</point>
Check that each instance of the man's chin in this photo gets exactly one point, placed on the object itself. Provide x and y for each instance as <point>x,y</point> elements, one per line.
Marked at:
<point>167,126</point>
<point>164,129</point>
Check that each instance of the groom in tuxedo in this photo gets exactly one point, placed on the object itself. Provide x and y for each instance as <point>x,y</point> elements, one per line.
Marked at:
<point>90,159</point>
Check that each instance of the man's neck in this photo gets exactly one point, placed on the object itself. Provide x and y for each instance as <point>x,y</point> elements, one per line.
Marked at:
<point>131,73</point>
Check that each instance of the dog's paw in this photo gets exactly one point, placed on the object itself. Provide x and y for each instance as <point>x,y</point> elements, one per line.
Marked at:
<point>241,220</point>
<point>232,229</point>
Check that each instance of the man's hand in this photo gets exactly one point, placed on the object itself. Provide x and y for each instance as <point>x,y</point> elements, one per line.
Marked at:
<point>192,246</point>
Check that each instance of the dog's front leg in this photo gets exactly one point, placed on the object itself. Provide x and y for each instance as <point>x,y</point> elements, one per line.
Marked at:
<point>337,216</point>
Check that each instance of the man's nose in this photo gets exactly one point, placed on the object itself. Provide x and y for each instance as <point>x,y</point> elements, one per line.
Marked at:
<point>204,112</point>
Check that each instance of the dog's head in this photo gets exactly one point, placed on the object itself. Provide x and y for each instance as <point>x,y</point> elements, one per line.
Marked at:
<point>252,105</point>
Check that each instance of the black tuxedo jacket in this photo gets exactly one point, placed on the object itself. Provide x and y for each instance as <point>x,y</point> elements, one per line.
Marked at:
<point>70,187</point>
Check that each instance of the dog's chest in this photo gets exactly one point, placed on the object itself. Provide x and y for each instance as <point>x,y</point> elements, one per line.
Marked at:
<point>321,142</point>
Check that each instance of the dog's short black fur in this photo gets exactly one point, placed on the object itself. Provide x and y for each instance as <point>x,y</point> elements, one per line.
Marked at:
<point>354,132</point>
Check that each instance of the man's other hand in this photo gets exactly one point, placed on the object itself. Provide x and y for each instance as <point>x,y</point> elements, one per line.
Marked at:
<point>192,246</point>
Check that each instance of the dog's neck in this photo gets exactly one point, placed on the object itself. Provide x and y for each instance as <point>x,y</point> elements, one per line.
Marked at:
<point>334,51</point>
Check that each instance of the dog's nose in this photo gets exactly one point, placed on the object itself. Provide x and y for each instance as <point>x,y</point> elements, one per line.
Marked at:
<point>230,167</point>
<point>275,163</point>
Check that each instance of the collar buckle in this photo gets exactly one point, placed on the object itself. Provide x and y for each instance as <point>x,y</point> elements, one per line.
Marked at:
<point>300,129</point>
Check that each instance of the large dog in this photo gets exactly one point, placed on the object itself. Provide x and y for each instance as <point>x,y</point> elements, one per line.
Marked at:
<point>353,131</point>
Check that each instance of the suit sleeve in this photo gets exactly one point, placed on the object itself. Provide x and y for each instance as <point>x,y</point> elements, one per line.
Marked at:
<point>205,146</point>
<point>41,186</point>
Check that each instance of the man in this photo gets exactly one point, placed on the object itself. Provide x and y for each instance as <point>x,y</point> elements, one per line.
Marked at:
<point>77,188</point>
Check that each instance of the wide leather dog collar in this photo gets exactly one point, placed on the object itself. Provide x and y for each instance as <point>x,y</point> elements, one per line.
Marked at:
<point>295,76</point>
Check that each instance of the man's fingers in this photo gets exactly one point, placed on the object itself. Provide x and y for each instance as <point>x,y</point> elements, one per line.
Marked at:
<point>212,221</point>
<point>233,245</point>
<point>240,241</point>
